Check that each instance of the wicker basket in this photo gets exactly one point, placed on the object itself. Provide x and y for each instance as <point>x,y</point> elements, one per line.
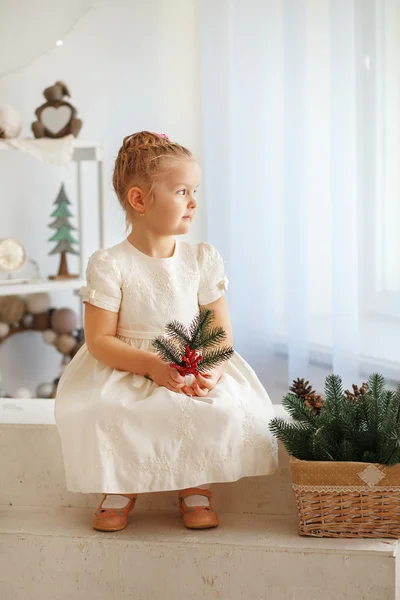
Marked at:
<point>347,499</point>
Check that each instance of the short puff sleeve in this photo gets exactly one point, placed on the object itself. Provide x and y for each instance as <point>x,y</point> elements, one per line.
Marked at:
<point>213,281</point>
<point>103,278</point>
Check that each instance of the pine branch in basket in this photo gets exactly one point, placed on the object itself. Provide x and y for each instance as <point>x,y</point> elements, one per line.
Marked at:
<point>363,426</point>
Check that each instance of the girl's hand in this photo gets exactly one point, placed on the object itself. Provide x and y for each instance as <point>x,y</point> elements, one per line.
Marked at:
<point>164,375</point>
<point>204,383</point>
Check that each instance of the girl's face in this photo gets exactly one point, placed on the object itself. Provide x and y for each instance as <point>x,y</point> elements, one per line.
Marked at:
<point>173,206</point>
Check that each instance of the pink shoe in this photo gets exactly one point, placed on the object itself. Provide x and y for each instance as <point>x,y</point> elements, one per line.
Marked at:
<point>113,519</point>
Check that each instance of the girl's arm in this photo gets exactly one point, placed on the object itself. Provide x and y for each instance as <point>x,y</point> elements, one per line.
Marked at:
<point>221,319</point>
<point>104,346</point>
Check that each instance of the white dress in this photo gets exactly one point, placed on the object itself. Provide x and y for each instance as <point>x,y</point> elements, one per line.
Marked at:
<point>122,433</point>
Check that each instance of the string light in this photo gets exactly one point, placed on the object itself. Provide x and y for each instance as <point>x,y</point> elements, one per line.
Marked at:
<point>58,43</point>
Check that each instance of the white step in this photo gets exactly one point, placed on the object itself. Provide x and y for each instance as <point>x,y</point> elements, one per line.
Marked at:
<point>54,555</point>
<point>32,472</point>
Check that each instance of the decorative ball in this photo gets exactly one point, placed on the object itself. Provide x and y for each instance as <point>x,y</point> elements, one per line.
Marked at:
<point>64,320</point>
<point>49,336</point>
<point>45,390</point>
<point>65,343</point>
<point>38,303</point>
<point>4,331</point>
<point>28,320</point>
<point>12,309</point>
<point>23,393</point>
<point>10,121</point>
<point>41,322</point>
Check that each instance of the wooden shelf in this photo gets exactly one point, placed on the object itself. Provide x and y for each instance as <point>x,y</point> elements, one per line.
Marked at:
<point>22,289</point>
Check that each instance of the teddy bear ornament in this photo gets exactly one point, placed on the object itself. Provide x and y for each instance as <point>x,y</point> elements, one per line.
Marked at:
<point>56,118</point>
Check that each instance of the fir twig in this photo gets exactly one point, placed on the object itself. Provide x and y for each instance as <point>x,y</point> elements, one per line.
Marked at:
<point>179,333</point>
<point>166,350</point>
<point>212,338</point>
<point>184,347</point>
<point>298,410</point>
<point>296,437</point>
<point>200,323</point>
<point>214,358</point>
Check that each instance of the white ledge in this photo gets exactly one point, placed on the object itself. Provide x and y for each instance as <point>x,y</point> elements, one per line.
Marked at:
<point>35,411</point>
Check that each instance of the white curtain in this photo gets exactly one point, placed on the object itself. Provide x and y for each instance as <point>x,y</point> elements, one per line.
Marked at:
<point>285,95</point>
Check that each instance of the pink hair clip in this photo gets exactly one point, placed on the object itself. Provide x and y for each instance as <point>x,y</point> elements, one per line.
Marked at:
<point>163,135</point>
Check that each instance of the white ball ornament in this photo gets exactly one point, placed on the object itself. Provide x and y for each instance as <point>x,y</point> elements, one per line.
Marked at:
<point>23,393</point>
<point>4,330</point>
<point>44,390</point>
<point>10,121</point>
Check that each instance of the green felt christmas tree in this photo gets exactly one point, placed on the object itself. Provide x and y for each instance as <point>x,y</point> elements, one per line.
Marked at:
<point>62,236</point>
<point>359,426</point>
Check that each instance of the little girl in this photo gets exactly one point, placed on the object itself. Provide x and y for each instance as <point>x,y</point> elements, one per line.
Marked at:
<point>130,423</point>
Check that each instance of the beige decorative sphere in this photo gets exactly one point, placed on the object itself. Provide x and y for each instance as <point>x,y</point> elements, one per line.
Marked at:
<point>44,390</point>
<point>4,330</point>
<point>49,336</point>
<point>12,309</point>
<point>10,121</point>
<point>64,320</point>
<point>65,343</point>
<point>23,393</point>
<point>38,303</point>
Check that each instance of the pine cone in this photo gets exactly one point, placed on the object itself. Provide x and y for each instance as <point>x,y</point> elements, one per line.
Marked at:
<point>301,388</point>
<point>304,390</point>
<point>315,402</point>
<point>356,392</point>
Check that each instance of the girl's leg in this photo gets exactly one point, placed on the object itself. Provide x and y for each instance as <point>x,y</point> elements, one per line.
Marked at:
<point>196,500</point>
<point>115,501</point>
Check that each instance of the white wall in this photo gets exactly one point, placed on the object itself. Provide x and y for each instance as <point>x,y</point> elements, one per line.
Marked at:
<point>130,65</point>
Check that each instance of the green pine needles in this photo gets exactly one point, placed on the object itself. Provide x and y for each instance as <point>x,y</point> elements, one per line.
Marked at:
<point>196,348</point>
<point>365,428</point>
